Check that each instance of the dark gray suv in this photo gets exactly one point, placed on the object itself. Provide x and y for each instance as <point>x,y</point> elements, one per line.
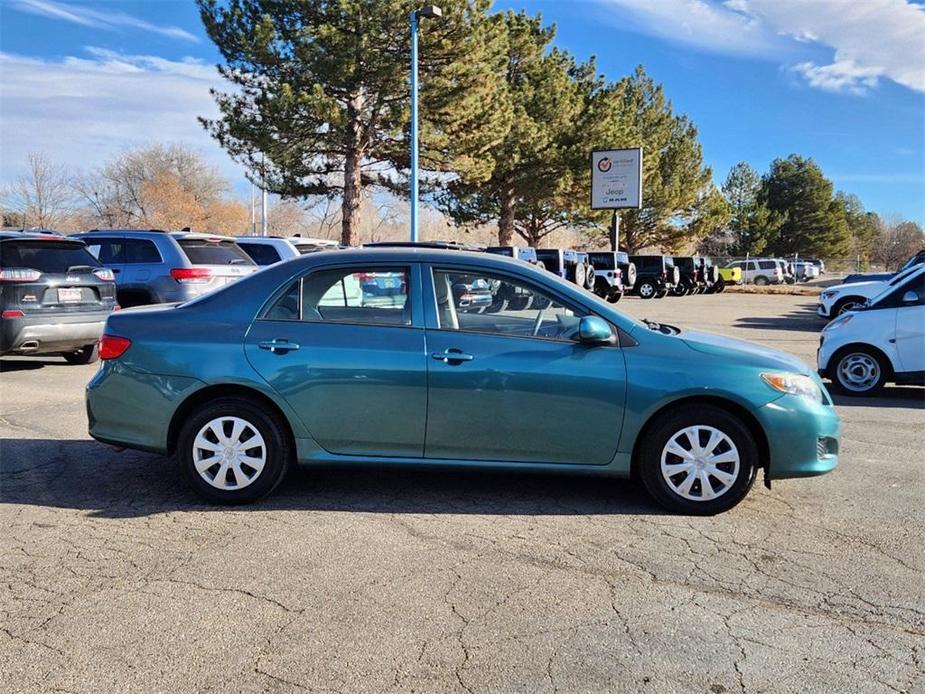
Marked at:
<point>153,266</point>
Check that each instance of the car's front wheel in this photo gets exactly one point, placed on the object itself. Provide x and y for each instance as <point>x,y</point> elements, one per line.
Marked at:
<point>232,451</point>
<point>858,371</point>
<point>698,460</point>
<point>647,289</point>
<point>85,355</point>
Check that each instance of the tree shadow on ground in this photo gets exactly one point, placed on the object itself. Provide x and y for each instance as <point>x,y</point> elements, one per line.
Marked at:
<point>87,476</point>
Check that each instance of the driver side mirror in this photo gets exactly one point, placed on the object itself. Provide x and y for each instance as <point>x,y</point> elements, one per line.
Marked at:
<point>595,331</point>
<point>911,297</point>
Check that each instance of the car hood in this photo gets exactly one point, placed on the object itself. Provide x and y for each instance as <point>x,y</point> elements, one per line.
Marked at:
<point>870,285</point>
<point>743,351</point>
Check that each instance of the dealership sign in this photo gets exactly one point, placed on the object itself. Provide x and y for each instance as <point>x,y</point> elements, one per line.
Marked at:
<point>616,178</point>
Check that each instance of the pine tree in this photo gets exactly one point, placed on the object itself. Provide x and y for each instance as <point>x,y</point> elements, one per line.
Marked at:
<point>321,99</point>
<point>751,222</point>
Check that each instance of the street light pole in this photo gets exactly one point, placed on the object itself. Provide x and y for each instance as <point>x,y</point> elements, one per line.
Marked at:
<point>431,11</point>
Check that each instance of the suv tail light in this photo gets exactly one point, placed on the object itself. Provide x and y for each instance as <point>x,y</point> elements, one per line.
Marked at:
<point>105,274</point>
<point>191,274</point>
<point>113,347</point>
<point>12,314</point>
<point>19,275</point>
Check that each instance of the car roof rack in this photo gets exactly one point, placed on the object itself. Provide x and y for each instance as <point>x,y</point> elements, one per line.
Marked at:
<point>444,245</point>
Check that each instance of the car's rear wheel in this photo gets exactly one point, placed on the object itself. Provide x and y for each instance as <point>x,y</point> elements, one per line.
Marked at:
<point>646,289</point>
<point>698,459</point>
<point>614,295</point>
<point>762,281</point>
<point>233,451</point>
<point>85,355</point>
<point>858,371</point>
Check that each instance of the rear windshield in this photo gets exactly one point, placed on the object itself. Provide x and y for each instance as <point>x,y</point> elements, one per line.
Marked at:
<point>304,248</point>
<point>45,256</point>
<point>603,260</point>
<point>205,252</point>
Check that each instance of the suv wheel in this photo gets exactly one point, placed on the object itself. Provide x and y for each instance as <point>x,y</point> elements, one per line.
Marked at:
<point>580,274</point>
<point>858,371</point>
<point>232,451</point>
<point>647,289</point>
<point>762,281</point>
<point>851,303</point>
<point>84,355</point>
<point>614,295</point>
<point>699,459</point>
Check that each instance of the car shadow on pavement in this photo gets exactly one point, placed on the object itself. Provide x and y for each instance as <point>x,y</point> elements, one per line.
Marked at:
<point>28,364</point>
<point>87,476</point>
<point>891,396</point>
<point>803,319</point>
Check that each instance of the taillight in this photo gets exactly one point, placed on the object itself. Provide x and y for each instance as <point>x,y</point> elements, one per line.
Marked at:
<point>19,275</point>
<point>105,274</point>
<point>191,274</point>
<point>13,314</point>
<point>113,347</point>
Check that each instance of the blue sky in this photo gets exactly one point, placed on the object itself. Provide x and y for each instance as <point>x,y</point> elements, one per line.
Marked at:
<point>841,81</point>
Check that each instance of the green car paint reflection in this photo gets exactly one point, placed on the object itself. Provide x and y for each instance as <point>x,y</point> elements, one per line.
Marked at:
<point>288,365</point>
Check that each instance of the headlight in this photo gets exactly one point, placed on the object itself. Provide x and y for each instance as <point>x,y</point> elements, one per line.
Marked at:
<point>793,384</point>
<point>842,320</point>
<point>829,294</point>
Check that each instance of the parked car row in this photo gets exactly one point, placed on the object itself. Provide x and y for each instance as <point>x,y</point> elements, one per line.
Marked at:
<point>767,271</point>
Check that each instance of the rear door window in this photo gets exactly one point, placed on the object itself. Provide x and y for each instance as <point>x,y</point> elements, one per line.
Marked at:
<point>262,253</point>
<point>767,264</point>
<point>141,251</point>
<point>52,257</point>
<point>208,252</point>
<point>109,251</point>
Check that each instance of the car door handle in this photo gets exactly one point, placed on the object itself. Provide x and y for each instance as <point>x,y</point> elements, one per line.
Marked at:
<point>451,355</point>
<point>278,346</point>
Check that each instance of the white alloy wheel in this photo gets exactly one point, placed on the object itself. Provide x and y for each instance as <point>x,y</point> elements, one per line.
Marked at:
<point>646,290</point>
<point>850,306</point>
<point>858,372</point>
<point>229,453</point>
<point>700,463</point>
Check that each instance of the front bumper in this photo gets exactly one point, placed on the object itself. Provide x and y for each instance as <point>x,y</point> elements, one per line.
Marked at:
<point>823,311</point>
<point>803,436</point>
<point>46,334</point>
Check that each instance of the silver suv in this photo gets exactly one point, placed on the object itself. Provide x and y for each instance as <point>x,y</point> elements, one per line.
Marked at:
<point>153,266</point>
<point>760,271</point>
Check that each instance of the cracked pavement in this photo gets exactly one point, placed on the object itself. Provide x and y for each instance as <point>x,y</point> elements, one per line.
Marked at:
<point>117,578</point>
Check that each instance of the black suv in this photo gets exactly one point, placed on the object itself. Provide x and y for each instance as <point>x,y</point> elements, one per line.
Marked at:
<point>54,295</point>
<point>656,275</point>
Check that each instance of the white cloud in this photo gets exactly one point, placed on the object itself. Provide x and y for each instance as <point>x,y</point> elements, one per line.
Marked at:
<point>870,40</point>
<point>98,19</point>
<point>80,110</point>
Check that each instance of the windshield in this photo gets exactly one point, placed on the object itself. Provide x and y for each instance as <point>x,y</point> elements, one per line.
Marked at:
<point>46,256</point>
<point>207,252</point>
<point>901,275</point>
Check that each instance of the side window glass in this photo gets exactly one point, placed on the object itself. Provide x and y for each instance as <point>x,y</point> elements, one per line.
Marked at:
<point>262,254</point>
<point>287,306</point>
<point>366,296</point>
<point>752,265</point>
<point>107,251</point>
<point>141,251</point>
<point>485,303</point>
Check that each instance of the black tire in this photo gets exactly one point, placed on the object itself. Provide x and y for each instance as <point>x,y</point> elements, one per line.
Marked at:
<point>864,357</point>
<point>671,424</point>
<point>85,355</point>
<point>275,436</point>
<point>661,294</point>
<point>762,281</point>
<point>849,303</point>
<point>719,286</point>
<point>614,295</point>
<point>646,289</point>
<point>601,287</point>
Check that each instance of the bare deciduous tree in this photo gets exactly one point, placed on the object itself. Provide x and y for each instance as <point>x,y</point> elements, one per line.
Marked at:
<point>42,197</point>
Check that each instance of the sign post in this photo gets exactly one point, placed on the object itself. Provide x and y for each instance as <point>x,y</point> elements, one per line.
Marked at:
<point>616,184</point>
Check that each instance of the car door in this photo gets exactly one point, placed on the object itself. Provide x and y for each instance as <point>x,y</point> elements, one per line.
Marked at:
<point>910,326</point>
<point>142,261</point>
<point>351,363</point>
<point>512,383</point>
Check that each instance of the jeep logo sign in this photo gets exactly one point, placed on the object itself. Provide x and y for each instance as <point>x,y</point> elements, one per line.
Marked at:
<point>616,179</point>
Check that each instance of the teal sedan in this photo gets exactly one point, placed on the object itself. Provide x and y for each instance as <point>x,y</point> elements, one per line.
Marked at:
<point>301,363</point>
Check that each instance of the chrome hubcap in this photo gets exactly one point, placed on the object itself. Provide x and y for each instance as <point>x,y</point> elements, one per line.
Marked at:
<point>858,372</point>
<point>700,463</point>
<point>229,453</point>
<point>646,290</point>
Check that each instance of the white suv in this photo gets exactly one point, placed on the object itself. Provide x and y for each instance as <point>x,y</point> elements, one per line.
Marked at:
<point>266,250</point>
<point>850,297</point>
<point>760,271</point>
<point>884,341</point>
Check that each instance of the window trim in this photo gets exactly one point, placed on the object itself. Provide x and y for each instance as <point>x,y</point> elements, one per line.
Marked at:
<point>414,294</point>
<point>432,318</point>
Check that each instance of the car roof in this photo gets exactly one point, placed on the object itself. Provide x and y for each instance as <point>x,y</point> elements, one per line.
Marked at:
<point>29,236</point>
<point>123,231</point>
<point>199,235</point>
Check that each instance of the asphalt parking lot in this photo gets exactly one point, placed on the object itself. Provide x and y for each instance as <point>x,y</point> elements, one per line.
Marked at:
<point>116,578</point>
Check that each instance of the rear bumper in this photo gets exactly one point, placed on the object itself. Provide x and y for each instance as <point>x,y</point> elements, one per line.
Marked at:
<point>803,437</point>
<point>63,332</point>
